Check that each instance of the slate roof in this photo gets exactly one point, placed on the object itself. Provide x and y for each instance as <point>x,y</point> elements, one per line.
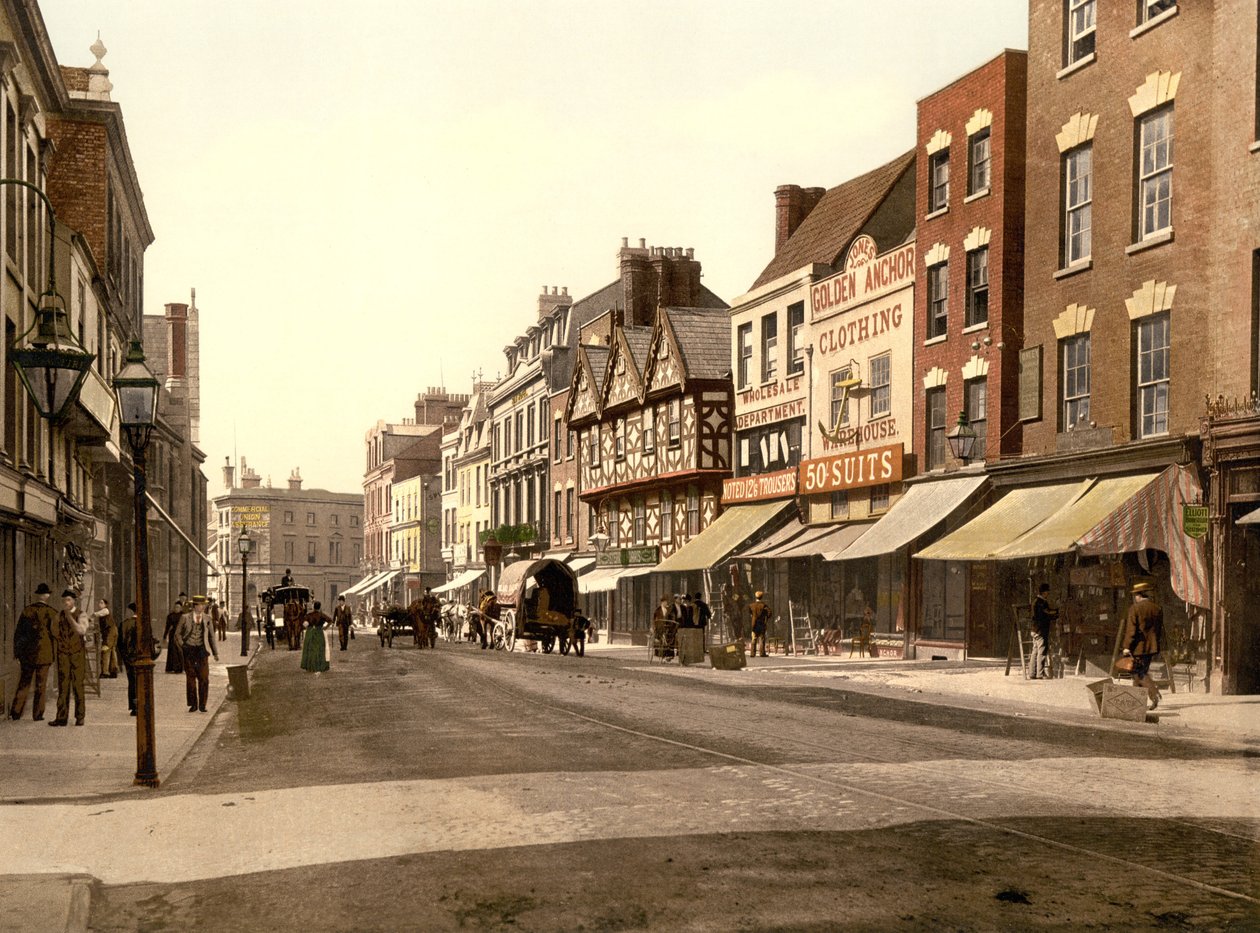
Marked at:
<point>836,220</point>
<point>704,338</point>
<point>598,355</point>
<point>639,340</point>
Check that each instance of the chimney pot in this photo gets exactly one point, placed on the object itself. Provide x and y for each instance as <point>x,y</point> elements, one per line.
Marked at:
<point>625,242</point>
<point>642,242</point>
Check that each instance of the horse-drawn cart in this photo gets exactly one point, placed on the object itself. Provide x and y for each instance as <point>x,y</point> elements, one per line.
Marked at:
<point>537,600</point>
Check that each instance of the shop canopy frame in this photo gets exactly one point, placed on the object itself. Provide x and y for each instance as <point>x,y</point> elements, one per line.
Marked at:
<point>923,506</point>
<point>463,579</point>
<point>727,532</point>
<point>605,579</point>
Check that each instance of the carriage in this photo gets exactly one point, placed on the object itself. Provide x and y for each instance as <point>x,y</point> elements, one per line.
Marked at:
<point>293,601</point>
<point>538,601</point>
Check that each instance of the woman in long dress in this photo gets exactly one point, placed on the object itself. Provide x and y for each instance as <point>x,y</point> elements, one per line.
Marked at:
<point>174,656</point>
<point>314,655</point>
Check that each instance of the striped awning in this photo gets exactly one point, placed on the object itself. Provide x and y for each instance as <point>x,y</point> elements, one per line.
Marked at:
<point>359,587</point>
<point>1151,518</point>
<point>1059,533</point>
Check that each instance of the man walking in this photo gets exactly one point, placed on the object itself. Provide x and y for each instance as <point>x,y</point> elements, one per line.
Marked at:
<point>71,659</point>
<point>34,651</point>
<point>1143,631</point>
<point>343,618</point>
<point>760,613</point>
<point>196,640</point>
<point>1042,615</point>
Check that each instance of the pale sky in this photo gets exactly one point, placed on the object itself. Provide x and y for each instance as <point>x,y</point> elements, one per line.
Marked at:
<point>369,206</point>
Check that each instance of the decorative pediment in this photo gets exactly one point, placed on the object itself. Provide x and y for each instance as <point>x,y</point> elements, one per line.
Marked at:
<point>623,382</point>
<point>935,378</point>
<point>1151,298</point>
<point>938,254</point>
<point>583,399</point>
<point>665,366</point>
<point>1075,319</point>
<point>976,238</point>
<point>940,140</point>
<point>981,119</point>
<point>1079,129</point>
<point>976,368</point>
<point>1159,88</point>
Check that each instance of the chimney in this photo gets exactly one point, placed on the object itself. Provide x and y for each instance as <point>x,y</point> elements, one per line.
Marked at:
<point>229,473</point>
<point>678,279</point>
<point>792,205</point>
<point>249,478</point>
<point>295,479</point>
<point>176,344</point>
<point>549,301</point>
<point>639,287</point>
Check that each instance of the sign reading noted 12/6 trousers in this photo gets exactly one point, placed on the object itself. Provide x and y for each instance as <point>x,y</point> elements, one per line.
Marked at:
<point>852,470</point>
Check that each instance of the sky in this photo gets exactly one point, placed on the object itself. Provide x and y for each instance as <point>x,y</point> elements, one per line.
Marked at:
<point>368,197</point>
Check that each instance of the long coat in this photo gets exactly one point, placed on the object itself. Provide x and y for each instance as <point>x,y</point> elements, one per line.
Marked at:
<point>1143,627</point>
<point>33,637</point>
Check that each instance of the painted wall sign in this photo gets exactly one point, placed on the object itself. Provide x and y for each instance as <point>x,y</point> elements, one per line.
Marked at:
<point>250,516</point>
<point>852,470</point>
<point>1194,520</point>
<point>864,277</point>
<point>764,393</point>
<point>751,419</point>
<point>629,557</point>
<point>1030,383</point>
<point>776,485</point>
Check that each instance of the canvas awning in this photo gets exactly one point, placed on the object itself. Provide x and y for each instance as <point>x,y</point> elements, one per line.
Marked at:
<point>785,535</point>
<point>998,526</point>
<point>1251,518</point>
<point>378,581</point>
<point>581,564</point>
<point>922,507</point>
<point>830,539</point>
<point>354,590</point>
<point>468,576</point>
<point>728,531</point>
<point>1059,533</point>
<point>604,579</point>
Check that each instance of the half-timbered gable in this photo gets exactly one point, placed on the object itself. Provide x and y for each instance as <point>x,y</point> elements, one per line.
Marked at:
<point>584,391</point>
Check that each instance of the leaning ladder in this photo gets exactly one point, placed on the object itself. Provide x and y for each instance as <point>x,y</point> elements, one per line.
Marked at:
<point>802,631</point>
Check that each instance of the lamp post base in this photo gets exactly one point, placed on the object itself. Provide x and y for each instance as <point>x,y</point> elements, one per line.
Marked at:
<point>146,739</point>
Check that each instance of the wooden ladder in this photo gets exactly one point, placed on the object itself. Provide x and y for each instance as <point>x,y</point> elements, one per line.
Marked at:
<point>802,631</point>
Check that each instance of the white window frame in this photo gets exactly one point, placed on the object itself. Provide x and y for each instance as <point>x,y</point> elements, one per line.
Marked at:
<point>970,406</point>
<point>936,448</point>
<point>879,368</point>
<point>938,181</point>
<point>1075,382</point>
<point>1154,350</point>
<point>1155,170</point>
<point>796,346</point>
<point>744,350</point>
<point>1150,9</point>
<point>938,300</point>
<point>979,160</point>
<point>977,285</point>
<point>769,347</point>
<point>1078,204</point>
<point>840,417</point>
<point>1082,23</point>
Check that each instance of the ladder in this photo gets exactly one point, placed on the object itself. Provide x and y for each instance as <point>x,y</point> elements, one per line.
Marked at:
<point>802,631</point>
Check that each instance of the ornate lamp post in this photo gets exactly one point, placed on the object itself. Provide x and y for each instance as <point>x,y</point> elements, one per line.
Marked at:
<point>245,544</point>
<point>137,391</point>
<point>962,440</point>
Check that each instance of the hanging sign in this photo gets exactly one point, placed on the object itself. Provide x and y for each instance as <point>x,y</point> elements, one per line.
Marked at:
<point>1194,520</point>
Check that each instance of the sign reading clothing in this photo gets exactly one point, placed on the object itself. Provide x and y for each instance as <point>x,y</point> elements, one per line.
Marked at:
<point>852,470</point>
<point>776,485</point>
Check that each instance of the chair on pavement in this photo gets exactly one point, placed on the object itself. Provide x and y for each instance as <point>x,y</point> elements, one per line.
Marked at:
<point>861,642</point>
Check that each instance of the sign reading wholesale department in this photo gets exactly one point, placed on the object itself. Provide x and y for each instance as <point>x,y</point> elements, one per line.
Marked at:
<point>251,516</point>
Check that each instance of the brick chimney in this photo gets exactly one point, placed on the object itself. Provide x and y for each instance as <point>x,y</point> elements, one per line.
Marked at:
<point>229,472</point>
<point>295,479</point>
<point>249,477</point>
<point>792,204</point>
<point>656,276</point>
<point>549,301</point>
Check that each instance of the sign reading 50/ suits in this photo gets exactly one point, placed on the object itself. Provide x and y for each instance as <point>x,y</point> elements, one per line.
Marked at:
<point>852,470</point>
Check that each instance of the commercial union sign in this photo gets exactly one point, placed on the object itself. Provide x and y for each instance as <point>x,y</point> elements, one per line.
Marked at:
<point>852,470</point>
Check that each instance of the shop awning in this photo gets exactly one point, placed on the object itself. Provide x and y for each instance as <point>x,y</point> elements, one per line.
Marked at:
<point>604,580</point>
<point>360,585</point>
<point>728,531</point>
<point>918,511</point>
<point>581,564</point>
<point>463,579</point>
<point>1251,518</point>
<point>832,540</point>
<point>1059,533</point>
<point>784,536</point>
<point>1000,525</point>
<point>1152,518</point>
<point>378,581</point>
<point>179,531</point>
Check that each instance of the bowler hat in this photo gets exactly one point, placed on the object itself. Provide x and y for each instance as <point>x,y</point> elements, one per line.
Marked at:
<point>42,590</point>
<point>1140,587</point>
<point>759,594</point>
<point>71,593</point>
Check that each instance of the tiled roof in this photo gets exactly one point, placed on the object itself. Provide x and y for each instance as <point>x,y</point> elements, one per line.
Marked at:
<point>704,337</point>
<point>837,219</point>
<point>598,355</point>
<point>638,339</point>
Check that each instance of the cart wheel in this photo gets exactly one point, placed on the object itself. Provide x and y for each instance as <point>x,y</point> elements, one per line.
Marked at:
<point>564,645</point>
<point>509,638</point>
<point>548,643</point>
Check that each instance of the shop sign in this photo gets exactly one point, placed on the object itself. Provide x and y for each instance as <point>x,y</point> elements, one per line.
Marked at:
<point>251,516</point>
<point>628,557</point>
<point>1194,520</point>
<point>776,485</point>
<point>865,276</point>
<point>852,470</point>
<point>771,390</point>
<point>784,412</point>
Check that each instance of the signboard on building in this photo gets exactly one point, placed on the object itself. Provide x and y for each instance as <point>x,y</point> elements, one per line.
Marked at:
<point>251,516</point>
<point>866,277</point>
<point>629,557</point>
<point>777,485</point>
<point>1030,383</point>
<point>852,470</point>
<point>1194,520</point>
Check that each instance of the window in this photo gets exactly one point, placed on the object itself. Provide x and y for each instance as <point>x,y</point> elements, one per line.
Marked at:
<point>839,397</point>
<point>556,514</point>
<point>568,513</point>
<point>354,521</point>
<point>619,438</point>
<point>773,447</point>
<point>288,552</point>
<point>640,521</point>
<point>976,403</point>
<point>334,552</point>
<point>529,428</point>
<point>336,520</point>
<point>840,503</point>
<point>1149,9</point>
<point>693,512</point>
<point>1078,190</point>
<point>938,299</point>
<point>744,363</point>
<point>881,385</point>
<point>935,428</point>
<point>568,445</point>
<point>1152,376</point>
<point>591,527</point>
<point>978,157</point>
<point>1155,164</point>
<point>938,181</point>
<point>977,287</point>
<point>879,498</point>
<point>796,345</point>
<point>288,518</point>
<point>614,530</point>
<point>520,432</point>
<point>649,429</point>
<point>592,454</point>
<point>667,517</point>
<point>557,453</point>
<point>1075,381</point>
<point>769,347</point>
<point>1080,30</point>
<point>310,518</point>
<point>675,422</point>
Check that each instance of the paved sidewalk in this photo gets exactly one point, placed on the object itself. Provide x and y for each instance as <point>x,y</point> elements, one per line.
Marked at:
<point>39,764</point>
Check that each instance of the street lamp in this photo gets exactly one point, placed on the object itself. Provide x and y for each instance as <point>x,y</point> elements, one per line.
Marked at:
<point>962,440</point>
<point>137,391</point>
<point>245,544</point>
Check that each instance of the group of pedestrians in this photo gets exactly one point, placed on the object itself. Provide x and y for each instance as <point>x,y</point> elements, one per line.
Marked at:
<point>315,643</point>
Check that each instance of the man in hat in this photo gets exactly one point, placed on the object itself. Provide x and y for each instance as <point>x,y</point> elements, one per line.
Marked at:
<point>71,659</point>
<point>759,611</point>
<point>196,640</point>
<point>1143,630</point>
<point>1042,615</point>
<point>701,613</point>
<point>343,619</point>
<point>34,651</point>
